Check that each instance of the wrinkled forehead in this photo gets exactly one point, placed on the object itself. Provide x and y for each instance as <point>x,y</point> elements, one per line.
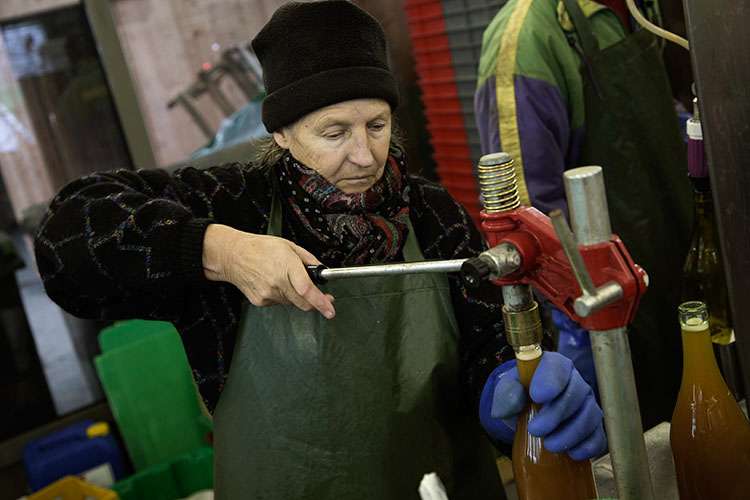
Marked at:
<point>348,113</point>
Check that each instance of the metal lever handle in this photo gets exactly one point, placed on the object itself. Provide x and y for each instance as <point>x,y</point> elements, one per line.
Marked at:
<point>593,298</point>
<point>321,274</point>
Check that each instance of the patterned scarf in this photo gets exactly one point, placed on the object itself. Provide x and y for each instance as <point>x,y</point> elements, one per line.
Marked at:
<point>344,229</point>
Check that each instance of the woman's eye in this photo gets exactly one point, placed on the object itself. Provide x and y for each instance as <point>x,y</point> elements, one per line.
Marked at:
<point>377,126</point>
<point>334,135</point>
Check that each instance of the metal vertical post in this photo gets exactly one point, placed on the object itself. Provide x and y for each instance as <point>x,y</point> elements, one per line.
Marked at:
<point>589,216</point>
<point>517,297</point>
<point>99,14</point>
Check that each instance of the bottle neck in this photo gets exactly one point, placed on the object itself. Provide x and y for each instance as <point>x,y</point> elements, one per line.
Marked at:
<point>703,202</point>
<point>527,359</point>
<point>697,354</point>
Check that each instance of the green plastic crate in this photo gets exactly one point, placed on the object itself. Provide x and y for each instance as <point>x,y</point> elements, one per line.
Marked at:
<point>184,476</point>
<point>122,333</point>
<point>194,471</point>
<point>150,390</point>
<point>154,483</point>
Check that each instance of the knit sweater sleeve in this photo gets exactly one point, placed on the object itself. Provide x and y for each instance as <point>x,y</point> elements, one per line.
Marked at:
<point>125,244</point>
<point>445,231</point>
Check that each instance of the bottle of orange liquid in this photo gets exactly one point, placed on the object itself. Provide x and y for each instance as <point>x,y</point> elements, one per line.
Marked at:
<point>539,473</point>
<point>710,435</point>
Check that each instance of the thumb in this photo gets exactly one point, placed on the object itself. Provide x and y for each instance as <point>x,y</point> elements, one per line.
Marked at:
<point>509,396</point>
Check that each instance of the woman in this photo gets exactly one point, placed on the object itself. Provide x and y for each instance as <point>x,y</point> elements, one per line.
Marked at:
<point>362,399</point>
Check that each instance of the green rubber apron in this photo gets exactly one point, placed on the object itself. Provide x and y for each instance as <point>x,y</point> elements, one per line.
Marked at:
<point>355,408</point>
<point>633,133</point>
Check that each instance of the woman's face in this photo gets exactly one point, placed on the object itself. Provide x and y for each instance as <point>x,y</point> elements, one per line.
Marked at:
<point>347,143</point>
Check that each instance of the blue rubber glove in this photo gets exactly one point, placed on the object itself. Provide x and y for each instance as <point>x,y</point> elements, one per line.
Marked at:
<point>569,419</point>
<point>573,342</point>
<point>503,381</point>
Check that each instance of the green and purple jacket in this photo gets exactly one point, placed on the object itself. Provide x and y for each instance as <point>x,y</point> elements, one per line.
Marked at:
<point>529,97</point>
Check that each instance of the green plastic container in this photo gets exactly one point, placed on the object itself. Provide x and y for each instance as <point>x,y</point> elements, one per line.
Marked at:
<point>151,393</point>
<point>184,476</point>
<point>122,333</point>
<point>155,483</point>
<point>195,471</point>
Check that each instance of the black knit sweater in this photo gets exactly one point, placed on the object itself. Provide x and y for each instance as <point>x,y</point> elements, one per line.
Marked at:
<point>124,244</point>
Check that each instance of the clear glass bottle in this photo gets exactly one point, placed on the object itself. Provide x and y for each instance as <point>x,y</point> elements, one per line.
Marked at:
<point>710,435</point>
<point>539,473</point>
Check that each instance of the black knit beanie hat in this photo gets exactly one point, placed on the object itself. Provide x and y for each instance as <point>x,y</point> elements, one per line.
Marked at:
<point>320,53</point>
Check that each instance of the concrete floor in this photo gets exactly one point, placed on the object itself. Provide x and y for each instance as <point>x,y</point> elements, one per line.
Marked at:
<point>66,347</point>
<point>63,343</point>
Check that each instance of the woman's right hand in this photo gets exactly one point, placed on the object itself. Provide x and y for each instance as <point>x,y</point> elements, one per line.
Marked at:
<point>268,270</point>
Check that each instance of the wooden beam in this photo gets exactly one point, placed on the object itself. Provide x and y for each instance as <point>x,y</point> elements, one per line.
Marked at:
<point>719,41</point>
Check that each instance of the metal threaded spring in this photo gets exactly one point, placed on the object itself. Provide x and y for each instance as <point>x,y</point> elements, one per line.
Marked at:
<point>498,183</point>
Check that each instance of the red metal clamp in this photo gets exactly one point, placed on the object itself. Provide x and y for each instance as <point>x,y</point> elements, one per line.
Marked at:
<point>545,266</point>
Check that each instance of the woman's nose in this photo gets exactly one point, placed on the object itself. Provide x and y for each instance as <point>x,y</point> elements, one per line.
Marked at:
<point>361,153</point>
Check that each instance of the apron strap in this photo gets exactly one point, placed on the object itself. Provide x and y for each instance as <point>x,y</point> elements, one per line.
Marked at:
<point>412,252</point>
<point>582,26</point>
<point>275,218</point>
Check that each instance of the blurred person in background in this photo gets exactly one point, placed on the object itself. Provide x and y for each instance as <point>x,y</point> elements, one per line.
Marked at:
<point>567,83</point>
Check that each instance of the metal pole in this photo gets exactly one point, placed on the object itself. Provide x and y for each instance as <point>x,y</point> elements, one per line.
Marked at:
<point>614,374</point>
<point>589,217</point>
<point>517,297</point>
<point>587,202</point>
<point>120,80</point>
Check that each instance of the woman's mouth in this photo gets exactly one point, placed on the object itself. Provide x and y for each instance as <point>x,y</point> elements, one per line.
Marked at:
<point>358,180</point>
<point>356,184</point>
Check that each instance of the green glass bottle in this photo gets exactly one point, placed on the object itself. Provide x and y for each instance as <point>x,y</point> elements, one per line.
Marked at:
<point>703,272</point>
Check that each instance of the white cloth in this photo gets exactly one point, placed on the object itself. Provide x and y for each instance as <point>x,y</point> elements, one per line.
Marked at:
<point>431,488</point>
